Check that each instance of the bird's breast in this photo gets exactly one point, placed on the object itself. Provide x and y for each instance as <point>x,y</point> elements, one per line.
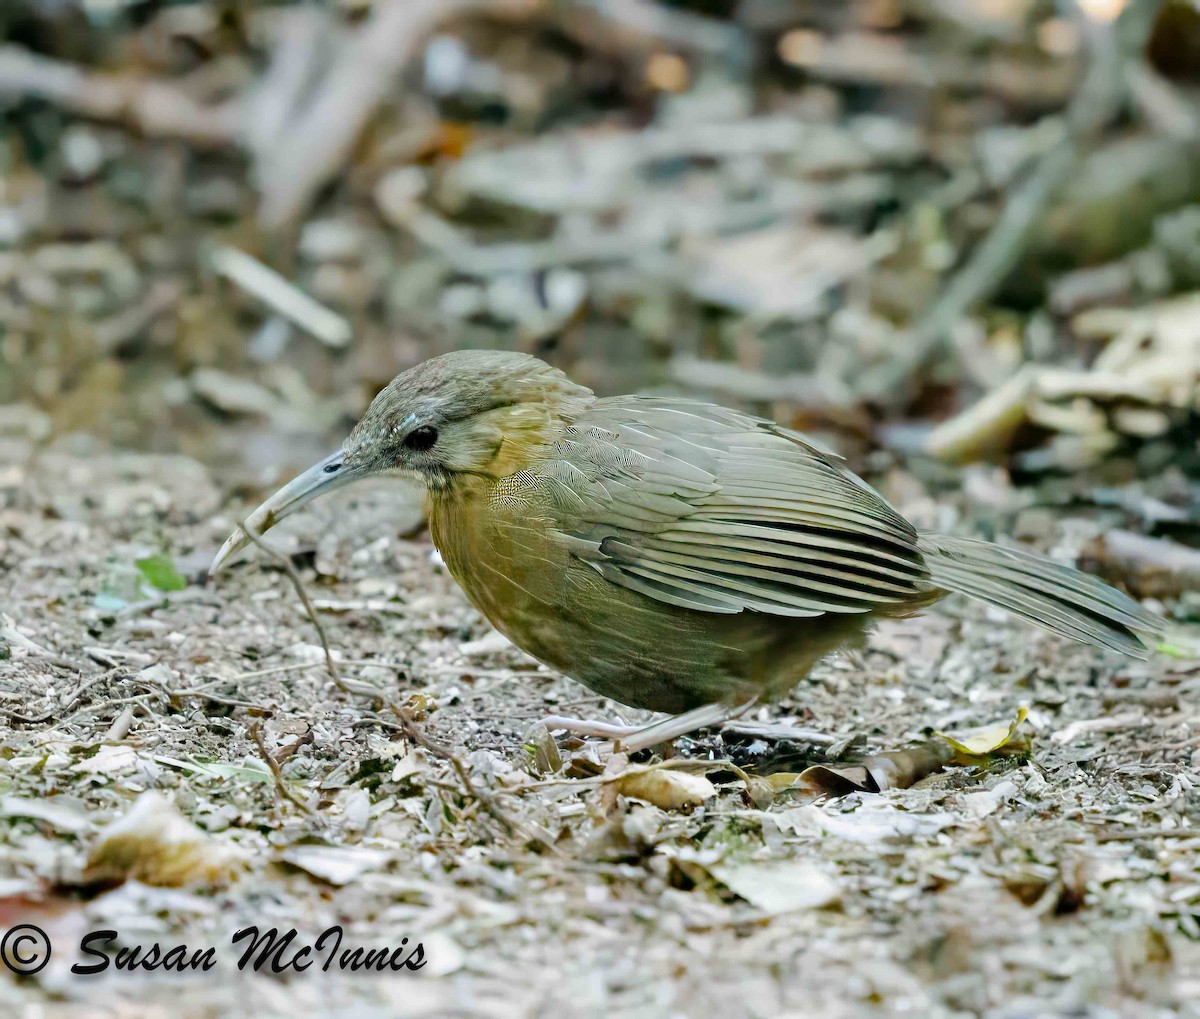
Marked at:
<point>517,569</point>
<point>504,556</point>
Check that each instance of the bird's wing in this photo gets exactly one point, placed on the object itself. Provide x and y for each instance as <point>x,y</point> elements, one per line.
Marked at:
<point>703,507</point>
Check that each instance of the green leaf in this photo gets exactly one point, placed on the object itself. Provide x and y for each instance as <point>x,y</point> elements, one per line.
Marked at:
<point>1180,647</point>
<point>161,573</point>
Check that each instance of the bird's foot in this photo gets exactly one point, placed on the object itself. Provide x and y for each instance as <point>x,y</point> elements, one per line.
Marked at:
<point>629,738</point>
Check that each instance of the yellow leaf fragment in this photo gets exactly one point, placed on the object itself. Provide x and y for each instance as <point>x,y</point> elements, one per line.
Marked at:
<point>155,844</point>
<point>989,739</point>
<point>667,788</point>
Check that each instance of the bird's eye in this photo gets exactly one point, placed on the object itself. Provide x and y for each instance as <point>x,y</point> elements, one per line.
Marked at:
<point>421,438</point>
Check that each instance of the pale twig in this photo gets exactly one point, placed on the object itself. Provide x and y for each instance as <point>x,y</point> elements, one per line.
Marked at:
<point>228,702</point>
<point>156,109</point>
<point>299,666</point>
<point>289,667</point>
<point>113,658</point>
<point>120,727</point>
<point>282,296</point>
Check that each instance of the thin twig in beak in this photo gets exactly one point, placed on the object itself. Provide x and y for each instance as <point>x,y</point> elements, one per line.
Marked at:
<point>298,584</point>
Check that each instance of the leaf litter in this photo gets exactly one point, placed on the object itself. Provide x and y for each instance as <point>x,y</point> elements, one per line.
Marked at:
<point>862,218</point>
<point>437,807</point>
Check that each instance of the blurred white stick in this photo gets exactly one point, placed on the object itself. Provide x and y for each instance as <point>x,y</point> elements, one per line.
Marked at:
<point>319,138</point>
<point>282,296</point>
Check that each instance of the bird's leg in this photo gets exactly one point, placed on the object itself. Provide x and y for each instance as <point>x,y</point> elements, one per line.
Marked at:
<point>680,725</point>
<point>631,738</point>
<point>605,730</point>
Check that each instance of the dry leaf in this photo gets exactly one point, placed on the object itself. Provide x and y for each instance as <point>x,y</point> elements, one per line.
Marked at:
<point>545,758</point>
<point>986,426</point>
<point>989,739</point>
<point>407,766</point>
<point>59,812</point>
<point>892,769</point>
<point>980,804</point>
<point>870,822</point>
<point>778,886</point>
<point>155,844</point>
<point>108,760</point>
<point>900,769</point>
<point>666,788</point>
<point>337,865</point>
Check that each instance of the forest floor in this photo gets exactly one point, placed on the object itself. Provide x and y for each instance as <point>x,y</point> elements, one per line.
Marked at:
<point>1063,882</point>
<point>956,241</point>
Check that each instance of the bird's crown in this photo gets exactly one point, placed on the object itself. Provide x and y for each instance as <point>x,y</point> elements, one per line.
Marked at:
<point>459,386</point>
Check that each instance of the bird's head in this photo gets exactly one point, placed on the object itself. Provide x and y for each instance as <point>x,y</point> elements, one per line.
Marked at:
<point>467,413</point>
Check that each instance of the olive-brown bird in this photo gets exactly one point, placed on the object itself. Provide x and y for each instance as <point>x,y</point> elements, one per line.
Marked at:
<point>668,553</point>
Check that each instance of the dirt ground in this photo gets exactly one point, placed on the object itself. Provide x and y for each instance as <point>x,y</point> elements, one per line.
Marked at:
<point>1067,883</point>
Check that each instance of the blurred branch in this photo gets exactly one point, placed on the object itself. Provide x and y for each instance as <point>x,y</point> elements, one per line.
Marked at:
<point>298,57</point>
<point>1098,99</point>
<point>599,245</point>
<point>872,58</point>
<point>318,141</point>
<point>1161,104</point>
<point>115,332</point>
<point>297,147</point>
<point>809,391</point>
<point>634,24</point>
<point>153,108</point>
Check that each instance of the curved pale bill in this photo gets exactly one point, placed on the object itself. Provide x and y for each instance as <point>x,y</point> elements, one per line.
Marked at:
<point>320,478</point>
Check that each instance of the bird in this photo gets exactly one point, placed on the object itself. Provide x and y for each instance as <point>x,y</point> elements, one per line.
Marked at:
<point>668,553</point>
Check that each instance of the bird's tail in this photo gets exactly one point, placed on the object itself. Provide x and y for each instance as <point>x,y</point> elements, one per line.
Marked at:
<point>1048,594</point>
